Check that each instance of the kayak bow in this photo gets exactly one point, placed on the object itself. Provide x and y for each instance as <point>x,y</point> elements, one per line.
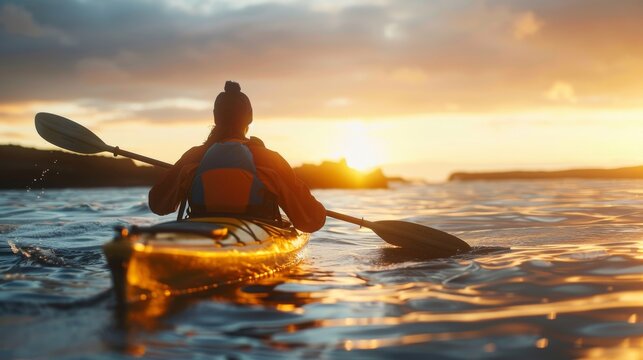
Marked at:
<point>183,257</point>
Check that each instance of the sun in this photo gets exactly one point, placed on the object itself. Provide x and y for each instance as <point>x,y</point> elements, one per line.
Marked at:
<point>358,148</point>
<point>359,158</point>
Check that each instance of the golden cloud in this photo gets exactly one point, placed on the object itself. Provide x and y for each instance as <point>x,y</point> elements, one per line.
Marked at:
<point>561,91</point>
<point>527,24</point>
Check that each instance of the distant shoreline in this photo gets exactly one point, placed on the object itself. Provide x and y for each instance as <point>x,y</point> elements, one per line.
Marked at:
<point>633,172</point>
<point>29,168</point>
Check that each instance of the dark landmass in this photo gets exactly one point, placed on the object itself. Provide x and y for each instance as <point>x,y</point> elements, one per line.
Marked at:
<point>26,168</point>
<point>339,175</point>
<point>398,179</point>
<point>635,172</point>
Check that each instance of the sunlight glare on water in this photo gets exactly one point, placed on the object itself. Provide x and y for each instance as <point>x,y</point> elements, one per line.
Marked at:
<point>555,272</point>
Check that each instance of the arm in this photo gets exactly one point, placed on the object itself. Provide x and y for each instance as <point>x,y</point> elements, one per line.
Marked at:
<point>304,211</point>
<point>166,195</point>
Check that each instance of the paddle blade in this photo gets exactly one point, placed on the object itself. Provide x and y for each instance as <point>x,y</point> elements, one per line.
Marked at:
<point>69,135</point>
<point>415,236</point>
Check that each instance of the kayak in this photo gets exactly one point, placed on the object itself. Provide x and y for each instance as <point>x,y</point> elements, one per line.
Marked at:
<point>193,255</point>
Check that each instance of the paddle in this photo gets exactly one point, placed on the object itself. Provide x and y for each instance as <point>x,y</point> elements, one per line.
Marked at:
<point>72,136</point>
<point>409,235</point>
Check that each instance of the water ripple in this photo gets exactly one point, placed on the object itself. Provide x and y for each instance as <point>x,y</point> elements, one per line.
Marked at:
<point>555,272</point>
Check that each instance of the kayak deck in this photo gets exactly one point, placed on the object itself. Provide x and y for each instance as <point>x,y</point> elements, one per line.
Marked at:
<point>183,257</point>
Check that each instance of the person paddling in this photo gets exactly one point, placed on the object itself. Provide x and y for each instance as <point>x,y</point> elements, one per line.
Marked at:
<point>230,174</point>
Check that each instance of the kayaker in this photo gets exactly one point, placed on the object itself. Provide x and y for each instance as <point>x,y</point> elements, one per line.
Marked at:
<point>230,174</point>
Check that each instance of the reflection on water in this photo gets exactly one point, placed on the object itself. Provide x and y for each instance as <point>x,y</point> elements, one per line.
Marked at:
<point>555,272</point>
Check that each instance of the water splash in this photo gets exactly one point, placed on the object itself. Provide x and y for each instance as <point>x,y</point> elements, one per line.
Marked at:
<point>37,255</point>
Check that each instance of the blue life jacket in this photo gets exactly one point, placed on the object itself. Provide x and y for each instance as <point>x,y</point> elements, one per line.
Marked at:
<point>226,183</point>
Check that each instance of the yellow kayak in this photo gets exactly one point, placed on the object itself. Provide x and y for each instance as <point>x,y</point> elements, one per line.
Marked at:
<point>182,257</point>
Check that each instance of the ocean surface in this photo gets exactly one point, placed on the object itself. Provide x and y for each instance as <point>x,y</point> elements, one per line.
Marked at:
<point>556,271</point>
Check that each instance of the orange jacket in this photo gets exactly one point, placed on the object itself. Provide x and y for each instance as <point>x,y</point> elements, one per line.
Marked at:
<point>293,196</point>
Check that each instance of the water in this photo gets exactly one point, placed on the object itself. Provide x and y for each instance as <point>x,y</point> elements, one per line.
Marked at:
<point>556,272</point>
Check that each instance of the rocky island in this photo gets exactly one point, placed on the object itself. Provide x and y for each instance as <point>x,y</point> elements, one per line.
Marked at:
<point>330,174</point>
<point>26,168</point>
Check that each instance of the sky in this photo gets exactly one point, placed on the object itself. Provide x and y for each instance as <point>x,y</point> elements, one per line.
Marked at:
<point>420,88</point>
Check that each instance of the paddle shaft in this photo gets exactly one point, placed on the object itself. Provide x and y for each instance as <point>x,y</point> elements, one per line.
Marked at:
<point>117,151</point>
<point>72,136</point>
<point>351,219</point>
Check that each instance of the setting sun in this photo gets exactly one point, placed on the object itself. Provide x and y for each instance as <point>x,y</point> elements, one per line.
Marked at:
<point>358,146</point>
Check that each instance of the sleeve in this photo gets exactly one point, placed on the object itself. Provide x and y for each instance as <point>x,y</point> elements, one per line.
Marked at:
<point>166,195</point>
<point>304,211</point>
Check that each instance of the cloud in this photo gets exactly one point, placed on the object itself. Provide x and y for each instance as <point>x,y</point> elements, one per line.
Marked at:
<point>164,116</point>
<point>561,91</point>
<point>97,71</point>
<point>8,136</point>
<point>176,110</point>
<point>16,20</point>
<point>338,102</point>
<point>409,75</point>
<point>393,31</point>
<point>291,56</point>
<point>527,24</point>
<point>170,110</point>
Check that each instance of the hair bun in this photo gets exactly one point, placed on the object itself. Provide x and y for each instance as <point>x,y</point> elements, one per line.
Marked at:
<point>232,87</point>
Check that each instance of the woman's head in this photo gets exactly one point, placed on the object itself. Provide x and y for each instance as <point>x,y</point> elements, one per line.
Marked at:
<point>232,109</point>
<point>232,115</point>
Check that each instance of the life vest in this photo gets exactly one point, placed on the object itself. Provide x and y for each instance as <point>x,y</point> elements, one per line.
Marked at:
<point>226,183</point>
